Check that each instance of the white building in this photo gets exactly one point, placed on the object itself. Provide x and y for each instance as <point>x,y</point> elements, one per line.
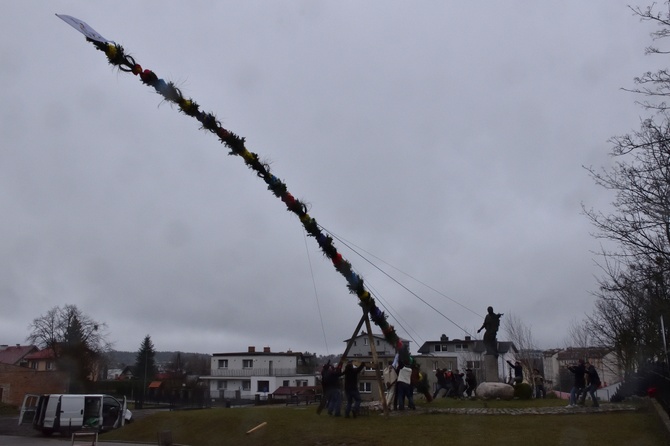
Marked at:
<point>603,359</point>
<point>461,354</point>
<point>247,374</point>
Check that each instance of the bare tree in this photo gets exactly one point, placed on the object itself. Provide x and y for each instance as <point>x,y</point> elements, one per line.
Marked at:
<point>517,332</point>
<point>77,341</point>
<point>579,335</point>
<point>633,288</point>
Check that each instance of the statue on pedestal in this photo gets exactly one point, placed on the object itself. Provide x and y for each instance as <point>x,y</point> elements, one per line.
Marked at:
<point>491,325</point>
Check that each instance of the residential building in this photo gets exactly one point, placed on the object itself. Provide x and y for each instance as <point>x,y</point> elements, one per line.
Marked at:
<point>16,381</point>
<point>461,354</point>
<point>551,368</point>
<point>360,350</point>
<point>16,354</point>
<point>42,360</point>
<point>603,359</point>
<point>360,346</point>
<point>443,353</point>
<point>24,369</point>
<point>246,375</point>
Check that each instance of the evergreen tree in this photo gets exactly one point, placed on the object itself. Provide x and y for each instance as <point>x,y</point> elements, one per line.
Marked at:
<point>145,365</point>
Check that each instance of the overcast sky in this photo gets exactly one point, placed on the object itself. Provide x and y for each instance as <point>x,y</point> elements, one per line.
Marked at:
<point>443,141</point>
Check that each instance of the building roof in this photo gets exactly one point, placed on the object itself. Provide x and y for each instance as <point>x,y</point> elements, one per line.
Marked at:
<point>15,354</point>
<point>575,353</point>
<point>375,336</point>
<point>46,353</point>
<point>251,351</point>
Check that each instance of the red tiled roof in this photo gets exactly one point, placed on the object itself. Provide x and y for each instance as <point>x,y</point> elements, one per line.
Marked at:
<point>47,353</point>
<point>14,354</point>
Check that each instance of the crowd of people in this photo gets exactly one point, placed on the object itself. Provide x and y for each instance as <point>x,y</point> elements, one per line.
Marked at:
<point>455,384</point>
<point>402,379</point>
<point>332,394</point>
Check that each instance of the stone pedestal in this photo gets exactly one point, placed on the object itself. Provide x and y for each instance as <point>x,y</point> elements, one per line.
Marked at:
<point>492,388</point>
<point>495,391</point>
<point>491,369</point>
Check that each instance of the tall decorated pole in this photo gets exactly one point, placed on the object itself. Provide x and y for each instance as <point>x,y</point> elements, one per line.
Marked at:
<point>126,63</point>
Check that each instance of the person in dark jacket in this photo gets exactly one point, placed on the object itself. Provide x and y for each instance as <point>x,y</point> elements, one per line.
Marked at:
<point>470,382</point>
<point>334,395</point>
<point>593,383</point>
<point>518,371</point>
<point>459,384</point>
<point>324,388</point>
<point>441,383</point>
<point>351,388</point>
<point>538,381</point>
<point>579,371</point>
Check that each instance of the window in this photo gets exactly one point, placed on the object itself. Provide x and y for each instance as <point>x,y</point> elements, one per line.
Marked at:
<point>223,363</point>
<point>246,384</point>
<point>263,386</point>
<point>365,341</point>
<point>377,342</point>
<point>473,364</point>
<point>436,365</point>
<point>247,363</point>
<point>49,365</point>
<point>365,387</point>
<point>437,348</point>
<point>445,348</point>
<point>222,385</point>
<point>286,383</point>
<point>461,347</point>
<point>301,382</point>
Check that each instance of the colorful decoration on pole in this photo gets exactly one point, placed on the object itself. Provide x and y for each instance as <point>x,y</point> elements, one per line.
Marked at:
<point>117,57</point>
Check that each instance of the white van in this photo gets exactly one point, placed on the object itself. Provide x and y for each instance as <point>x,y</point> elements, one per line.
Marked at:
<point>66,413</point>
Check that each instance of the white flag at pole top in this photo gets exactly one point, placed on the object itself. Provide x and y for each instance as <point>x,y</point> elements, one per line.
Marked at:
<point>83,28</point>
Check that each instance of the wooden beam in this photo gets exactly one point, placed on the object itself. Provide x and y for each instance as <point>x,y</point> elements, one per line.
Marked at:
<point>375,359</point>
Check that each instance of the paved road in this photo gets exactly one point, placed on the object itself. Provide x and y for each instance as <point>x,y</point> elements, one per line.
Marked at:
<point>6,440</point>
<point>12,434</point>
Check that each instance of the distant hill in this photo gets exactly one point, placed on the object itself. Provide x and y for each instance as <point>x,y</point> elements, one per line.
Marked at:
<point>120,359</point>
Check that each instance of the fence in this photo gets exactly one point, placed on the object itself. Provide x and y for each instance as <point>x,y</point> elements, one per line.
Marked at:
<point>652,380</point>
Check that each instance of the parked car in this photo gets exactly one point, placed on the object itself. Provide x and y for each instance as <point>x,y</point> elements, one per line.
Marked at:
<point>66,413</point>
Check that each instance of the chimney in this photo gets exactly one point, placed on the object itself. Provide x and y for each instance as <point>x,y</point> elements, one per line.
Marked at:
<point>468,338</point>
<point>252,349</point>
<point>266,349</point>
<point>444,338</point>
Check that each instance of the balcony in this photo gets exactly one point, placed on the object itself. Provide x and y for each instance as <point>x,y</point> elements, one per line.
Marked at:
<point>242,373</point>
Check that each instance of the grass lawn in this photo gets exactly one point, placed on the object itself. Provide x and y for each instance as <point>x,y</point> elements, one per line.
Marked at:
<point>301,425</point>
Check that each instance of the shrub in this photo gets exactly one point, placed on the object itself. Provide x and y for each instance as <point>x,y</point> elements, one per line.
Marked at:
<point>523,391</point>
<point>6,409</point>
